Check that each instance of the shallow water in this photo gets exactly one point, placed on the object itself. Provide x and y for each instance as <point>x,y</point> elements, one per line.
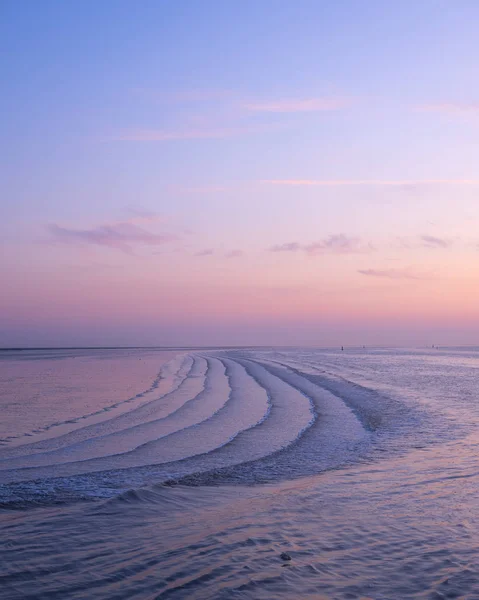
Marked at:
<point>362,465</point>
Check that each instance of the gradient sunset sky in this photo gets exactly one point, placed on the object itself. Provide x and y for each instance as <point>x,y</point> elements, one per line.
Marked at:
<point>252,172</point>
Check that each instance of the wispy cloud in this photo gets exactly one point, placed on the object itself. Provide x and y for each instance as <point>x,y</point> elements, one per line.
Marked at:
<point>142,216</point>
<point>452,107</point>
<point>434,242</point>
<point>234,254</point>
<point>392,273</point>
<point>200,189</point>
<point>121,236</point>
<point>288,247</point>
<point>368,182</point>
<point>338,244</point>
<point>211,251</point>
<point>293,105</point>
<point>421,241</point>
<point>160,135</point>
<point>218,97</point>
<point>197,95</point>
<point>220,114</point>
<point>334,244</point>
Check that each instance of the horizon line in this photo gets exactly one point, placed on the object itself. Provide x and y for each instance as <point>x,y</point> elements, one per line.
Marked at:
<point>196,347</point>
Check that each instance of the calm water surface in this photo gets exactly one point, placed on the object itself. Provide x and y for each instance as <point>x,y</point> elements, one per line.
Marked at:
<point>186,474</point>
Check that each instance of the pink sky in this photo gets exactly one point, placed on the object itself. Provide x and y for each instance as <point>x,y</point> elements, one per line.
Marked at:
<point>293,178</point>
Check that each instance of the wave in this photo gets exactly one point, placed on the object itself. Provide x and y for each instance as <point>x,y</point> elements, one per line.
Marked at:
<point>169,377</point>
<point>173,376</point>
<point>237,417</point>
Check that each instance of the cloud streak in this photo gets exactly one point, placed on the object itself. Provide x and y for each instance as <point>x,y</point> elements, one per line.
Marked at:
<point>186,95</point>
<point>337,244</point>
<point>391,273</point>
<point>431,241</point>
<point>367,182</point>
<point>238,118</point>
<point>205,252</point>
<point>143,216</point>
<point>334,244</point>
<point>293,105</point>
<point>288,247</point>
<point>159,135</point>
<point>234,254</point>
<point>120,236</point>
<point>200,189</point>
<point>211,251</point>
<point>452,107</point>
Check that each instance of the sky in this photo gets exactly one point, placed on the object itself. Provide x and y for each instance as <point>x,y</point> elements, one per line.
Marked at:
<point>206,172</point>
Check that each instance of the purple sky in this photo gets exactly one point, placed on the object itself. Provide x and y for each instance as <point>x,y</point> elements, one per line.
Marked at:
<point>209,172</point>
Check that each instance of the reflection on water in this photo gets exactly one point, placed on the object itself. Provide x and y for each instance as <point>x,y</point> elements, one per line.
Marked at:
<point>385,507</point>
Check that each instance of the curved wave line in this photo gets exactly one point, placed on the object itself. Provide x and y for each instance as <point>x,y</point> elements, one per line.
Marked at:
<point>23,450</point>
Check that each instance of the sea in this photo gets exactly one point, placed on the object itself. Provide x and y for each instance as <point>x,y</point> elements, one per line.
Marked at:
<point>239,473</point>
